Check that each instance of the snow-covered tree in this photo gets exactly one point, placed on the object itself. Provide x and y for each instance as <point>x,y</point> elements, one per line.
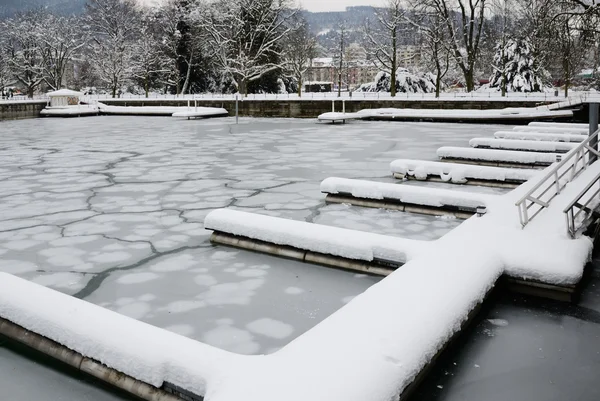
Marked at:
<point>299,48</point>
<point>382,37</point>
<point>406,82</point>
<point>463,21</point>
<point>24,49</point>
<point>244,37</point>
<point>62,38</point>
<point>6,77</point>
<point>516,68</point>
<point>148,59</point>
<point>112,25</point>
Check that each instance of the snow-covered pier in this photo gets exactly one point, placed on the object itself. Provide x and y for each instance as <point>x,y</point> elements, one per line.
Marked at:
<point>525,145</point>
<point>423,200</point>
<point>540,136</point>
<point>163,111</point>
<point>496,157</point>
<point>460,173</point>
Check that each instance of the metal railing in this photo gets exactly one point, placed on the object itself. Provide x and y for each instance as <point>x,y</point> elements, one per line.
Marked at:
<point>582,207</point>
<point>556,178</point>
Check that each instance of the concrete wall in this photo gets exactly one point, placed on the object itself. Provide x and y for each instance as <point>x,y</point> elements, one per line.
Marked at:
<point>21,109</point>
<point>312,108</point>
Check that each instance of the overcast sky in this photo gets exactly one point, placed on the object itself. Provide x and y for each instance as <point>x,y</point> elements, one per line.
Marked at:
<point>336,5</point>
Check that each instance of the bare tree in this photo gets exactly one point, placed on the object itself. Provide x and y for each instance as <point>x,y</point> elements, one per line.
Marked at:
<point>61,41</point>
<point>24,51</point>
<point>340,54</point>
<point>464,21</point>
<point>148,60</point>
<point>383,40</point>
<point>244,37</point>
<point>112,24</point>
<point>299,48</point>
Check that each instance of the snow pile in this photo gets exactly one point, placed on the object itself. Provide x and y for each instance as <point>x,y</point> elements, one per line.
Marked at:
<point>406,82</point>
<point>494,155</point>
<point>515,144</point>
<point>540,136</point>
<point>425,196</point>
<point>459,173</point>
<point>464,114</point>
<point>329,240</point>
<point>140,350</point>
<point>516,68</point>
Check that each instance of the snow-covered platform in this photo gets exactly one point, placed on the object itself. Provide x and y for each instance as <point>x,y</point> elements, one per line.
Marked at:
<point>475,115</point>
<point>461,173</point>
<point>164,111</point>
<point>70,111</point>
<point>557,129</point>
<point>540,136</point>
<point>335,116</point>
<point>497,158</point>
<point>405,198</point>
<point>524,145</point>
<point>543,124</point>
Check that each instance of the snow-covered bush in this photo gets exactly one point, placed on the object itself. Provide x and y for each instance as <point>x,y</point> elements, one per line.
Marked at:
<point>406,82</point>
<point>516,63</point>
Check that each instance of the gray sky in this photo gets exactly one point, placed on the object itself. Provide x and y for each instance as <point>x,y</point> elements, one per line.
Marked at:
<point>336,5</point>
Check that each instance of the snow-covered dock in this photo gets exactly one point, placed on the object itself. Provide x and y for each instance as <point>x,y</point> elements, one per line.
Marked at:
<point>558,129</point>
<point>525,145</point>
<point>460,173</point>
<point>498,158</point>
<point>540,136</point>
<point>543,124</point>
<point>475,115</point>
<point>406,198</point>
<point>449,277</point>
<point>70,111</point>
<point>164,111</point>
<point>325,245</point>
<point>333,116</point>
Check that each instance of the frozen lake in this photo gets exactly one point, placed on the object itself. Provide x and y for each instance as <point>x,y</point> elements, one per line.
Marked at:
<point>110,209</point>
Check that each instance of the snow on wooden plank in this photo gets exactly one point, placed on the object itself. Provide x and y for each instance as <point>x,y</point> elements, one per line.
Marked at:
<point>459,173</point>
<point>460,114</point>
<point>540,136</point>
<point>559,125</point>
<point>515,144</point>
<point>157,110</point>
<point>201,112</point>
<point>497,156</point>
<point>69,111</point>
<point>318,238</point>
<point>553,130</point>
<point>335,116</point>
<point>407,194</point>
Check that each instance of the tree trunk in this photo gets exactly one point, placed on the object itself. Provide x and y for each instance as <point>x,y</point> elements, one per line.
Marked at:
<point>188,73</point>
<point>146,85</point>
<point>503,86</point>
<point>567,76</point>
<point>438,82</point>
<point>114,91</point>
<point>300,86</point>
<point>394,64</point>
<point>30,92</point>
<point>469,80</point>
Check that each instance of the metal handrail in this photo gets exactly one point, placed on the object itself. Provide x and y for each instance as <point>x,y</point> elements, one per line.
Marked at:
<point>573,163</point>
<point>569,211</point>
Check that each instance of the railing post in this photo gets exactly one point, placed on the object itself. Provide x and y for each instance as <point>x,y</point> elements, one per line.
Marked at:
<point>593,120</point>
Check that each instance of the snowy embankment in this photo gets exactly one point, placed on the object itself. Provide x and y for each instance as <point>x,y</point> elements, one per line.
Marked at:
<point>68,111</point>
<point>329,240</point>
<point>515,144</point>
<point>414,195</point>
<point>459,173</point>
<point>497,156</point>
<point>162,111</point>
<point>540,136</point>
<point>381,340</point>
<point>553,130</point>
